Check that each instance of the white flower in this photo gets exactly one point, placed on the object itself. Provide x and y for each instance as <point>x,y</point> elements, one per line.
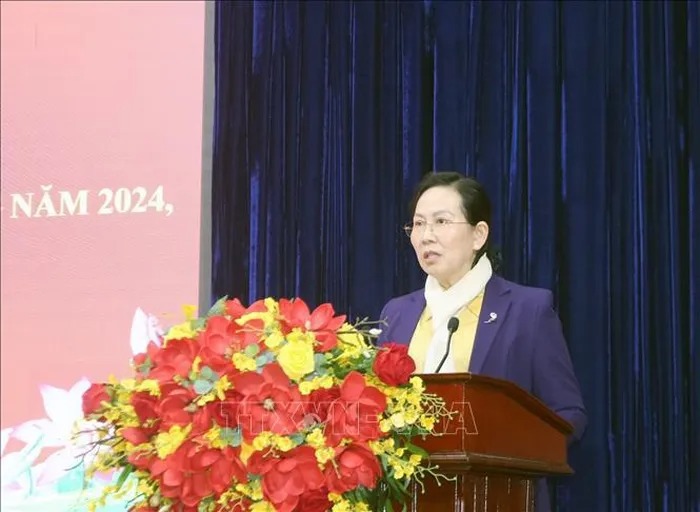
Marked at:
<point>64,410</point>
<point>144,329</point>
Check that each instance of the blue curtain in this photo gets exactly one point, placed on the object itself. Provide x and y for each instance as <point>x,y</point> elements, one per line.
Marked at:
<point>583,122</point>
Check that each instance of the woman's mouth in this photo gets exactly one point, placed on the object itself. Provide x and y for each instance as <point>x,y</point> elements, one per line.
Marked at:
<point>430,256</point>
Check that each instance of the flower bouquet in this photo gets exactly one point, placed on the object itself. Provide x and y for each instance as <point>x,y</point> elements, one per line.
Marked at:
<point>264,408</point>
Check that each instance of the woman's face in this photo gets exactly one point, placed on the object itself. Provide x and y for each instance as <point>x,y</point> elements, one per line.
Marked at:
<point>445,243</point>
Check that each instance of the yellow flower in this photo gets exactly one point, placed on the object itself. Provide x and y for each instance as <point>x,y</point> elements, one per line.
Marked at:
<point>190,311</point>
<point>246,451</point>
<point>268,439</point>
<point>213,435</point>
<point>283,443</point>
<point>315,438</point>
<point>268,317</point>
<point>397,420</point>
<point>128,384</point>
<point>348,335</point>
<point>427,422</point>
<point>168,442</point>
<point>342,506</point>
<point>296,359</point>
<point>325,382</point>
<point>385,425</point>
<point>351,343</point>
<point>180,331</point>
<point>145,488</point>
<point>221,386</point>
<point>417,384</point>
<point>297,335</point>
<point>252,490</point>
<point>150,386</point>
<point>410,416</point>
<point>307,386</point>
<point>272,305</point>
<point>385,446</point>
<point>227,497</point>
<point>334,498</point>
<point>274,339</point>
<point>243,362</point>
<point>262,441</point>
<point>323,455</point>
<point>262,506</point>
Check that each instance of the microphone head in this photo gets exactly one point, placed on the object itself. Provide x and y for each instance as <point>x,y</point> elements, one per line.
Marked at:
<point>453,324</point>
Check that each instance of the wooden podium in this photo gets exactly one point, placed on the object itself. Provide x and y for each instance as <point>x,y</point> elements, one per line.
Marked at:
<point>498,444</point>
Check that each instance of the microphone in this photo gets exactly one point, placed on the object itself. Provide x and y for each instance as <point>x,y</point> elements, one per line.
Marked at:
<point>452,326</point>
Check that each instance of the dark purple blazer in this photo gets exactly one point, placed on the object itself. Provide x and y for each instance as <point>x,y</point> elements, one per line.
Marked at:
<point>524,345</point>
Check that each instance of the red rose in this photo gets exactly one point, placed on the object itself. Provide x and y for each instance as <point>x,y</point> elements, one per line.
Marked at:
<point>355,465</point>
<point>393,365</point>
<point>287,478</point>
<point>357,412</point>
<point>314,501</point>
<point>93,398</point>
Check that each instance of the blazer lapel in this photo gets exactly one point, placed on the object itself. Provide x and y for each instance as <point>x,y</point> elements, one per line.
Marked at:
<point>493,313</point>
<point>410,314</point>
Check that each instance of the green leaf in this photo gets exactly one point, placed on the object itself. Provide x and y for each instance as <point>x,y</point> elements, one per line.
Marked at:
<point>124,475</point>
<point>145,367</point>
<point>202,387</point>
<point>397,491</point>
<point>298,438</point>
<point>264,359</point>
<point>236,437</point>
<point>207,373</point>
<point>219,307</point>
<point>252,350</point>
<point>320,362</point>
<point>198,323</point>
<point>417,450</point>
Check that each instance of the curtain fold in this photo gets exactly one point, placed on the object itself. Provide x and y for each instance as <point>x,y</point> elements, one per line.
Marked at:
<point>583,122</point>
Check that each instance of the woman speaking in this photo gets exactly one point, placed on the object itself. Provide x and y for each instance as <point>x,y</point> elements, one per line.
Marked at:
<point>494,327</point>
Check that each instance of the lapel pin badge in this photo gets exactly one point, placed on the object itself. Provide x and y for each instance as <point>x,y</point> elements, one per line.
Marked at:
<point>492,318</point>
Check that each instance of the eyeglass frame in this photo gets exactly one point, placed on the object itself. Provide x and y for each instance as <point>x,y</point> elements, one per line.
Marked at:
<point>408,228</point>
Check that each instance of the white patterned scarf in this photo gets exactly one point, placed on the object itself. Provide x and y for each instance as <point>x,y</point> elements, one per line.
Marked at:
<point>444,304</point>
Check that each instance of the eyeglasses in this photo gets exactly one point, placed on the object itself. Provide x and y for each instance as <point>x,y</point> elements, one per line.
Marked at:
<point>419,226</point>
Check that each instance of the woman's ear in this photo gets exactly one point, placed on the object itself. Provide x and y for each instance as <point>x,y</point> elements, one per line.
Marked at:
<point>481,235</point>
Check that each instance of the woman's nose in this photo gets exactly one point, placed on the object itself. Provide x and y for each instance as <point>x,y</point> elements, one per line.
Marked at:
<point>428,234</point>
